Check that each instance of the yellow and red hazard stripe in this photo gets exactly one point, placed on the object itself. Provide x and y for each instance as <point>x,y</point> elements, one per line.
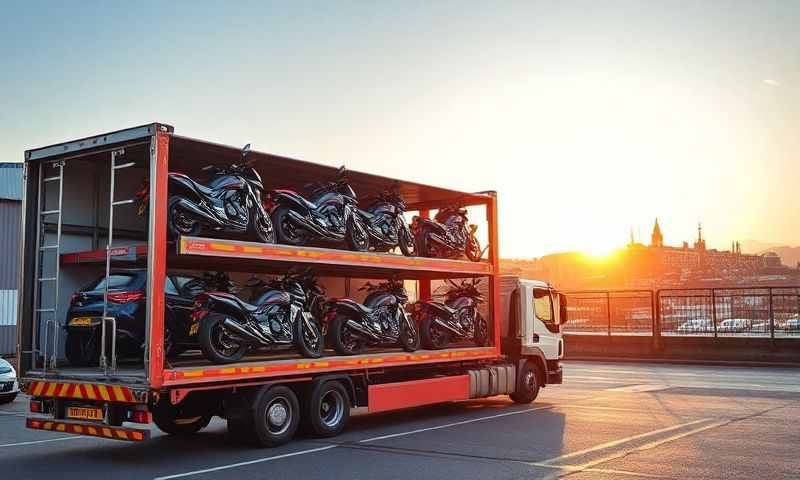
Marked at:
<point>84,391</point>
<point>103,431</point>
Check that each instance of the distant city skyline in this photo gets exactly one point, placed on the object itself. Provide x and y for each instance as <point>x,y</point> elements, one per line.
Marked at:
<point>587,118</point>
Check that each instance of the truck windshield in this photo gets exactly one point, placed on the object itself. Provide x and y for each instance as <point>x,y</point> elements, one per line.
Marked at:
<point>543,305</point>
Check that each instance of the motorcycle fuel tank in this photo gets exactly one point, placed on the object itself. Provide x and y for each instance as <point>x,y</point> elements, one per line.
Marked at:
<point>460,302</point>
<point>380,299</point>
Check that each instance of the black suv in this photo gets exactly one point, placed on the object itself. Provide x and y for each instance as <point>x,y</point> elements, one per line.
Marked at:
<point>126,303</point>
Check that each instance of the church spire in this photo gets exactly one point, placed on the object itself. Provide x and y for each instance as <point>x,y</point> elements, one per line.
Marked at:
<point>656,238</point>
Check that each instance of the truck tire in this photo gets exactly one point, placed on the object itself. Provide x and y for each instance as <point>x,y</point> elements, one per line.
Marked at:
<point>276,415</point>
<point>527,384</point>
<point>327,410</point>
<point>169,419</point>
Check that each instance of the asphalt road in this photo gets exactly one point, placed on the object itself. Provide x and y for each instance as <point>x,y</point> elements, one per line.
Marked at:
<point>608,421</point>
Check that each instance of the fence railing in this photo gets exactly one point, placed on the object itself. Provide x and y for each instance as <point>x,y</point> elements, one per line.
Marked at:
<point>772,312</point>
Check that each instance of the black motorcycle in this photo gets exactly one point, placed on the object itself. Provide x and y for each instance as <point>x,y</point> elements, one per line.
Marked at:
<point>386,225</point>
<point>380,321</point>
<point>455,319</point>
<point>446,236</point>
<point>229,204</point>
<point>282,316</point>
<point>329,216</point>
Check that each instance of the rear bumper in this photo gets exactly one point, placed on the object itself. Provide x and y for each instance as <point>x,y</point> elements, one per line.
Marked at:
<point>88,429</point>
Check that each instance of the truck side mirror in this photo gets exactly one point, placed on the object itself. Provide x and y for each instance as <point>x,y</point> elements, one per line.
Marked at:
<point>562,308</point>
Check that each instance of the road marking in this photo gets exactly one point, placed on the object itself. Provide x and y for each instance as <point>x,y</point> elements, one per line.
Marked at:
<point>614,443</point>
<point>454,424</point>
<point>646,446</point>
<point>34,442</point>
<point>250,462</point>
<point>14,414</point>
<point>639,388</point>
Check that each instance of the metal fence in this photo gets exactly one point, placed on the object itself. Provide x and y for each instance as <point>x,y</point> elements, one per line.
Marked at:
<point>772,312</point>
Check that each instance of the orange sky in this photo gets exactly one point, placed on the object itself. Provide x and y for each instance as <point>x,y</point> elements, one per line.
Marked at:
<point>587,120</point>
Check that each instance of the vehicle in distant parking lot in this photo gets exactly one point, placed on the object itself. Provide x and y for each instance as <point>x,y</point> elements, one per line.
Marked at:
<point>696,325</point>
<point>9,388</point>
<point>735,325</point>
<point>792,324</point>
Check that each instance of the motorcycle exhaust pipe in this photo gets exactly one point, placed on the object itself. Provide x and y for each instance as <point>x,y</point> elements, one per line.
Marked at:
<point>193,209</point>
<point>441,323</point>
<point>244,332</point>
<point>301,222</point>
<point>362,330</point>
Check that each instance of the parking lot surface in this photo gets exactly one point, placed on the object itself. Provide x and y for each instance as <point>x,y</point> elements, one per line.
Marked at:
<point>608,421</point>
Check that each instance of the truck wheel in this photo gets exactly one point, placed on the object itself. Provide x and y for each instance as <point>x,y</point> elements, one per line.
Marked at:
<point>344,340</point>
<point>328,409</point>
<point>527,384</point>
<point>276,416</point>
<point>215,343</point>
<point>434,337</point>
<point>170,420</point>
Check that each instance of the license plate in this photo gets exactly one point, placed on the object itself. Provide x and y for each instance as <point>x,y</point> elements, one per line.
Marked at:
<point>81,322</point>
<point>85,413</point>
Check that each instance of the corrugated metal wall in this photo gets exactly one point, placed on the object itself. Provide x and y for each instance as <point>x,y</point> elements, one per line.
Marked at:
<point>9,258</point>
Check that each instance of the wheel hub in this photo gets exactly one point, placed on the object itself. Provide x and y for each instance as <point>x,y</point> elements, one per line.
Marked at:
<point>277,414</point>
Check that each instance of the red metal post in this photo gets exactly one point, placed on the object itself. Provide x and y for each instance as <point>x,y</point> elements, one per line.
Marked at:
<point>157,256</point>
<point>425,284</point>
<point>494,259</point>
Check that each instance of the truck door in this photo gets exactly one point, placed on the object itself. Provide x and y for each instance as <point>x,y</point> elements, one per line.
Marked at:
<point>546,323</point>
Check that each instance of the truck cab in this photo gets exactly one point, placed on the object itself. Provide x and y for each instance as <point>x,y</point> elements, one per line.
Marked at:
<point>531,336</point>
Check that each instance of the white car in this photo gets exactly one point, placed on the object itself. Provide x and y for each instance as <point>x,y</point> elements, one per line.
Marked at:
<point>735,325</point>
<point>9,388</point>
<point>696,325</point>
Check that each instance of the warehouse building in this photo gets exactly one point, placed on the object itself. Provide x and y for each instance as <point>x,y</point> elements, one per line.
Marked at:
<point>10,217</point>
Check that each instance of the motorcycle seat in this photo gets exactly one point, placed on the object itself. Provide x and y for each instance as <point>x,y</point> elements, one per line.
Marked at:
<point>366,214</point>
<point>204,190</point>
<point>308,204</point>
<point>250,308</point>
<point>363,308</point>
<point>444,307</point>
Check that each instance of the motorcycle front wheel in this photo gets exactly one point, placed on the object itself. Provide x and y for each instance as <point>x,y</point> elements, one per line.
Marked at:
<point>481,331</point>
<point>406,241</point>
<point>178,223</point>
<point>357,236</point>
<point>215,342</point>
<point>285,231</point>
<point>434,336</point>
<point>308,338</point>
<point>261,227</point>
<point>409,339</point>
<point>473,249</point>
<point>345,341</point>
